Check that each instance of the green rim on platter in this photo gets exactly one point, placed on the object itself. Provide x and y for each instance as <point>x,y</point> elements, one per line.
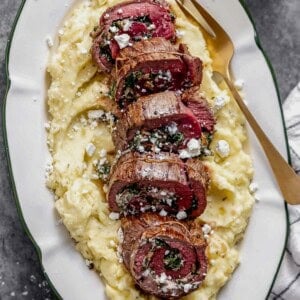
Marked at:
<point>8,84</point>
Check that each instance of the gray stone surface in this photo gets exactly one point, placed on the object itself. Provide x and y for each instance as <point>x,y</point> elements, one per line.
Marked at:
<point>21,276</point>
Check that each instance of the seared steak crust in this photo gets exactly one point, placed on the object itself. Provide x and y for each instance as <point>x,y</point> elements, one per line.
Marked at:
<point>166,257</point>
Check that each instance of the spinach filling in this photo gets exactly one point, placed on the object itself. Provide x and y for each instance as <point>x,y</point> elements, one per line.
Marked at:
<point>160,139</point>
<point>103,171</point>
<point>105,51</point>
<point>173,260</point>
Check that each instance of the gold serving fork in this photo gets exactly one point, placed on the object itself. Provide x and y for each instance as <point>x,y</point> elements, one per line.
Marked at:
<point>222,50</point>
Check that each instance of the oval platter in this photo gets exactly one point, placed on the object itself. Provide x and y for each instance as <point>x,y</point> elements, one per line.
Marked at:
<point>25,113</point>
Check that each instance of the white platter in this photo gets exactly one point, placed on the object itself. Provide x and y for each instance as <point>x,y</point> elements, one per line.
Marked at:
<point>25,113</point>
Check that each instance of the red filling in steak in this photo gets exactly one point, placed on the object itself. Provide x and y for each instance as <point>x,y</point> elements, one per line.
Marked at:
<point>126,23</point>
<point>165,257</point>
<point>161,183</point>
<point>153,66</point>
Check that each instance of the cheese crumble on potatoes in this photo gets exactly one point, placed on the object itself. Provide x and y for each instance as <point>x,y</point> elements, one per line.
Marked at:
<point>79,139</point>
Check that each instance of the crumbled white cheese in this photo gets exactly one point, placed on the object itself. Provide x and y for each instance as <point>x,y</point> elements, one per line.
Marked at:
<point>183,154</point>
<point>206,229</point>
<point>156,149</point>
<point>102,153</point>
<point>151,26</point>
<point>193,145</point>
<point>49,168</point>
<point>163,213</point>
<point>223,148</point>
<point>114,216</point>
<point>162,278</point>
<point>220,102</point>
<point>106,16</point>
<point>96,114</point>
<point>253,187</point>
<point>113,29</point>
<point>90,149</point>
<point>193,149</point>
<point>181,215</point>
<point>49,41</point>
<point>146,273</point>
<point>239,84</point>
<point>120,11</point>
<point>47,125</point>
<point>141,149</point>
<point>102,161</point>
<point>84,51</point>
<point>122,40</point>
<point>179,33</point>
<point>126,24</point>
<point>172,128</point>
<point>187,287</point>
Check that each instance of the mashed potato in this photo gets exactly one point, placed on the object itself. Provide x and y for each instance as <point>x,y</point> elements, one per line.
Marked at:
<point>77,141</point>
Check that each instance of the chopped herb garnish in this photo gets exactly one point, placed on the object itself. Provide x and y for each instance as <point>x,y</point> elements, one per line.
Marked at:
<point>132,78</point>
<point>103,171</point>
<point>133,189</point>
<point>143,19</point>
<point>161,243</point>
<point>117,23</point>
<point>105,51</point>
<point>177,137</point>
<point>173,259</point>
<point>112,90</point>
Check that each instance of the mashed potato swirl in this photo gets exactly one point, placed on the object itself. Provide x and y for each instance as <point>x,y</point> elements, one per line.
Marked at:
<point>77,141</point>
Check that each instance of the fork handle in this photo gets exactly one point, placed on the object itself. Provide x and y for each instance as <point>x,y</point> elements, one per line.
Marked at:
<point>287,179</point>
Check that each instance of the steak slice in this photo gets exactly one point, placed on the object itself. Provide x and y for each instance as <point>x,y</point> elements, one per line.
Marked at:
<point>158,119</point>
<point>153,66</point>
<point>165,257</point>
<point>200,108</point>
<point>157,182</point>
<point>125,23</point>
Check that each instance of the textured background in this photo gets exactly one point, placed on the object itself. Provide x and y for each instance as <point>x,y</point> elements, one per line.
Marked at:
<point>278,26</point>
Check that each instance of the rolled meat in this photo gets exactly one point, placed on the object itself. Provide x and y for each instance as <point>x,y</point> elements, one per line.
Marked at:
<point>124,24</point>
<point>160,183</point>
<point>165,257</point>
<point>153,66</point>
<point>161,122</point>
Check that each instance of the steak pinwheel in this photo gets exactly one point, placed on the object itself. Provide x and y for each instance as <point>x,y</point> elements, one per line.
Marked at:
<point>165,257</point>
<point>124,24</point>
<point>161,122</point>
<point>153,66</point>
<point>160,183</point>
